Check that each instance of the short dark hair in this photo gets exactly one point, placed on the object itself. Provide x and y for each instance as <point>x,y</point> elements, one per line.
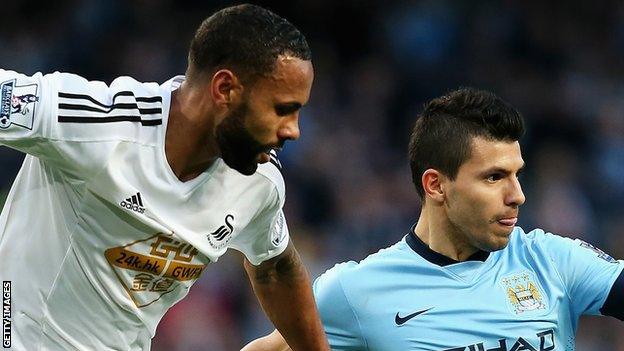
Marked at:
<point>247,39</point>
<point>442,135</point>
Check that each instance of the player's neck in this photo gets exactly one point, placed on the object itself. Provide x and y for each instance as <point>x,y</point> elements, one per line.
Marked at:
<point>190,147</point>
<point>441,236</point>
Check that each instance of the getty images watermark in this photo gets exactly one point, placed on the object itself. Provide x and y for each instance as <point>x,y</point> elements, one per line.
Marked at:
<point>6,314</point>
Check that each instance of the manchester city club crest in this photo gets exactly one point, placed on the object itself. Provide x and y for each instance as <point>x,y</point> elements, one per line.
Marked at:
<point>523,293</point>
<point>17,104</point>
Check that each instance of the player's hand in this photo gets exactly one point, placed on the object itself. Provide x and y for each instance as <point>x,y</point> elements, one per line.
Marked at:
<point>271,342</point>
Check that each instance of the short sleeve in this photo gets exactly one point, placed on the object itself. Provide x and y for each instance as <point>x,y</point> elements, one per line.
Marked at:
<point>266,236</point>
<point>339,319</point>
<point>587,272</point>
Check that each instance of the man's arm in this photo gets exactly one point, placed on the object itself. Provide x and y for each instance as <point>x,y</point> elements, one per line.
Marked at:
<point>591,277</point>
<point>282,286</point>
<point>272,342</point>
<point>614,306</point>
<point>59,118</point>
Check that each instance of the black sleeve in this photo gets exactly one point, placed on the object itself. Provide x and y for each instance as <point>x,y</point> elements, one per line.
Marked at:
<point>614,306</point>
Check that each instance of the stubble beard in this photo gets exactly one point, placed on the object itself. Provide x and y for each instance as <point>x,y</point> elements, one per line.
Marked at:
<point>239,149</point>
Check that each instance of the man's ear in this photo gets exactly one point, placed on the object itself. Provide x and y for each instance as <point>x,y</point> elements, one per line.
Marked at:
<point>433,182</point>
<point>225,88</point>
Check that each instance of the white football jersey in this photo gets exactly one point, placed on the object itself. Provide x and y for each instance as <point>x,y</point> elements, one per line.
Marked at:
<point>98,237</point>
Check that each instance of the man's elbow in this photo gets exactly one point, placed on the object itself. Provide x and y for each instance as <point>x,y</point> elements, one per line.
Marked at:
<point>286,266</point>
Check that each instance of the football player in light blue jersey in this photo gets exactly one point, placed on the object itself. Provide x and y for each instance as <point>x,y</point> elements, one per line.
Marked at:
<point>465,278</point>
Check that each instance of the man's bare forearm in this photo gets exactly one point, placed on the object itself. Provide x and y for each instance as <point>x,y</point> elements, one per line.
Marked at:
<point>282,286</point>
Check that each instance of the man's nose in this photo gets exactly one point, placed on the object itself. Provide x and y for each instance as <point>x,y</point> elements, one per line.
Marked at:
<point>515,197</point>
<point>289,130</point>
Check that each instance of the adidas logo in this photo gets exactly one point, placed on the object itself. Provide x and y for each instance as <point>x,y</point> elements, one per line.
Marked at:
<point>134,203</point>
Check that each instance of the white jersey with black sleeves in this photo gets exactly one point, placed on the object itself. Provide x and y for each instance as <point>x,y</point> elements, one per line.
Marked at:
<point>98,237</point>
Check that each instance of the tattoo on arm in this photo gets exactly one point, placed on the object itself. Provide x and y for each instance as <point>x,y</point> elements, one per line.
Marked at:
<point>288,264</point>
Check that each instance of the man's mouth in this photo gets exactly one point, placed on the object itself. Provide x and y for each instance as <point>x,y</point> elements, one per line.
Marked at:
<point>508,222</point>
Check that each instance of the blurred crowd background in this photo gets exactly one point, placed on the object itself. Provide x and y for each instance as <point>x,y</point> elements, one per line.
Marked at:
<point>349,191</point>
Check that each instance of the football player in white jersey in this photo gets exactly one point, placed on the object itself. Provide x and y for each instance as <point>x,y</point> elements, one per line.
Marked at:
<point>129,190</point>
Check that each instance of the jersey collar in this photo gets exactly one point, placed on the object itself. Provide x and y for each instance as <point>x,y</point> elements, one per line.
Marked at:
<point>437,258</point>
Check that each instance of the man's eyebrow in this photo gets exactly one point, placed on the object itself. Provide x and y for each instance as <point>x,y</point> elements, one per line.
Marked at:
<point>294,104</point>
<point>522,168</point>
<point>496,169</point>
<point>287,107</point>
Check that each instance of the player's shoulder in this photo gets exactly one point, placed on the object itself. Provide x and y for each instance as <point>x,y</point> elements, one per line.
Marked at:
<point>540,241</point>
<point>126,83</point>
<point>354,273</point>
<point>559,247</point>
<point>263,188</point>
<point>535,236</point>
<point>330,286</point>
<point>120,83</point>
<point>124,110</point>
<point>124,94</point>
<point>334,274</point>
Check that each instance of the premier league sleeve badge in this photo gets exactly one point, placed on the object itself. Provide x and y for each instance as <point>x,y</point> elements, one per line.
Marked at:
<point>18,104</point>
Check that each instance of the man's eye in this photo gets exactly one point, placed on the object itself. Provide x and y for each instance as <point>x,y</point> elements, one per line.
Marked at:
<point>287,109</point>
<point>494,177</point>
<point>282,110</point>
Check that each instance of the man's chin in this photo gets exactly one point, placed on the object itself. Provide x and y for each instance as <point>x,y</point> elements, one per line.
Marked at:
<point>246,169</point>
<point>499,247</point>
<point>498,243</point>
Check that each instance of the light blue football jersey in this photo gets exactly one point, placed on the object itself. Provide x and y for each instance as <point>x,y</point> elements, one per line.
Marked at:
<point>528,296</point>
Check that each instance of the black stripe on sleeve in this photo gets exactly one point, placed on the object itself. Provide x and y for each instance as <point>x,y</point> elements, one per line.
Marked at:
<point>149,99</point>
<point>614,306</point>
<point>124,106</point>
<point>121,93</point>
<point>112,119</point>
